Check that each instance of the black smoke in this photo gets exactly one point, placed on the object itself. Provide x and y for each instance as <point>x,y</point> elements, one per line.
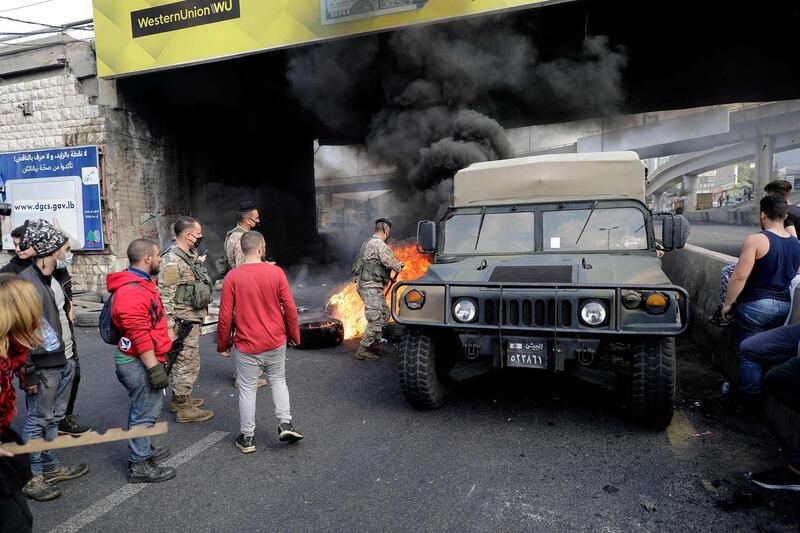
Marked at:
<point>441,85</point>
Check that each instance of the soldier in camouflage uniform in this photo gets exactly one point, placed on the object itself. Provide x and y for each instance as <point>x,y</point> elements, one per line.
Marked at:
<point>247,219</point>
<point>372,267</point>
<point>185,289</point>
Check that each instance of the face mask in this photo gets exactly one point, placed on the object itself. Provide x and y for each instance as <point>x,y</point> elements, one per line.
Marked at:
<point>197,241</point>
<point>64,263</point>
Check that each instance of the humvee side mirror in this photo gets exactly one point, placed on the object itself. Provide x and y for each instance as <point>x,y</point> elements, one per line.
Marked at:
<point>674,231</point>
<point>426,237</point>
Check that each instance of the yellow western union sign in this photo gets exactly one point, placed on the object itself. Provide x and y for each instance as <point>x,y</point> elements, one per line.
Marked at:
<point>142,35</point>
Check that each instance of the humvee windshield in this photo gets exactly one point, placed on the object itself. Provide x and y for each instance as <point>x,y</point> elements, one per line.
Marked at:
<point>618,228</point>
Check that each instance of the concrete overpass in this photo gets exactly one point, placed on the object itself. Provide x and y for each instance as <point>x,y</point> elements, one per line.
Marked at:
<point>755,133</point>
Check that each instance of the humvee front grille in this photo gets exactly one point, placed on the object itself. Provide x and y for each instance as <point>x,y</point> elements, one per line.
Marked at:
<point>532,274</point>
<point>540,312</point>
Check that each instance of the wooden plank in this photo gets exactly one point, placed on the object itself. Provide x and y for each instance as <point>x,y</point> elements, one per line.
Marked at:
<point>86,439</point>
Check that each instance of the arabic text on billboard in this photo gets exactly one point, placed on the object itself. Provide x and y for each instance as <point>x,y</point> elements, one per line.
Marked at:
<point>61,186</point>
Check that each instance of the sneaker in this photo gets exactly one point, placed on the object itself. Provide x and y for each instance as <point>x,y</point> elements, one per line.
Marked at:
<point>40,490</point>
<point>70,426</point>
<point>65,473</point>
<point>160,453</point>
<point>246,444</point>
<point>149,472</point>
<point>783,478</point>
<point>287,433</point>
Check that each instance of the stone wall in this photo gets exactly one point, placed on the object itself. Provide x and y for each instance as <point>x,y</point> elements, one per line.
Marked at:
<point>72,107</point>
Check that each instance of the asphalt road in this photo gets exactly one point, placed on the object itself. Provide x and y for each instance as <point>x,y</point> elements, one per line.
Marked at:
<point>726,239</point>
<point>510,452</point>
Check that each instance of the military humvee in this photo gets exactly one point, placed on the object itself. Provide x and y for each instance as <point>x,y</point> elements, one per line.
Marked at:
<point>546,263</point>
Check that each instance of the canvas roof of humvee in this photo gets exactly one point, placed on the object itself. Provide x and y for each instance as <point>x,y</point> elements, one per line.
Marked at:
<point>551,177</point>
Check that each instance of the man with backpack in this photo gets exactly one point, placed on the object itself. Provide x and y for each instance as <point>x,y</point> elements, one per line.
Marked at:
<point>143,341</point>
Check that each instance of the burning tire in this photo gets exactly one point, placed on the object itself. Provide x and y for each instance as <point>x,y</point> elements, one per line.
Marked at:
<point>422,381</point>
<point>320,332</point>
<point>652,389</point>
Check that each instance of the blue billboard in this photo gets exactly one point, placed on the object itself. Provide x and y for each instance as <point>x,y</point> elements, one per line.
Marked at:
<point>61,186</point>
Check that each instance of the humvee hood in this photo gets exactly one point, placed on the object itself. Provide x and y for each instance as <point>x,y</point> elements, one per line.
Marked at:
<point>562,268</point>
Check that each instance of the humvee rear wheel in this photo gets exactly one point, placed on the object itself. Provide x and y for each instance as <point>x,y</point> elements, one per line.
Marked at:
<point>422,378</point>
<point>652,387</point>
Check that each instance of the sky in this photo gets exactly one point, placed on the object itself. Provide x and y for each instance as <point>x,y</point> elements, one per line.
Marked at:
<point>53,12</point>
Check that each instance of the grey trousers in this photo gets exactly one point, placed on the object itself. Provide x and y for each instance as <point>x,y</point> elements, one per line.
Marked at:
<point>248,369</point>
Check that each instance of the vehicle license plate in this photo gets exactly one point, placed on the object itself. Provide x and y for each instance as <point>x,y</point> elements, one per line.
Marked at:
<point>526,353</point>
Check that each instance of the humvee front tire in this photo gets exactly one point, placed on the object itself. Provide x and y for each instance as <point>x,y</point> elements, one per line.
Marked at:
<point>423,384</point>
<point>652,387</point>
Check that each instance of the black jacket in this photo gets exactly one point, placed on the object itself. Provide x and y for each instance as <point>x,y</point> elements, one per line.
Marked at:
<point>39,357</point>
<point>16,266</point>
<point>14,471</point>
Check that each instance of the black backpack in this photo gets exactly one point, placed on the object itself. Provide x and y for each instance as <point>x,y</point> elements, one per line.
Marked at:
<point>108,330</point>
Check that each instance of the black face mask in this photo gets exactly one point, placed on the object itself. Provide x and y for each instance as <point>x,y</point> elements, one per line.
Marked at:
<point>197,241</point>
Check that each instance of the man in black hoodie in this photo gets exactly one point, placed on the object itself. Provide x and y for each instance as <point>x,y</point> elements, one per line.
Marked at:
<point>49,371</point>
<point>23,258</point>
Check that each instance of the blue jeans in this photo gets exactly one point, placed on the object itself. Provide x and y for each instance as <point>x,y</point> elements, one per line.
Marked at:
<point>771,347</point>
<point>145,407</point>
<point>783,381</point>
<point>46,409</point>
<point>752,318</point>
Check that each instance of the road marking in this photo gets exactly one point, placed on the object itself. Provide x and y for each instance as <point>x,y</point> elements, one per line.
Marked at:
<point>92,513</point>
<point>679,433</point>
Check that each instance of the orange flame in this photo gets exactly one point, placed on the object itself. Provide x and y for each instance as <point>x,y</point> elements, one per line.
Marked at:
<point>346,305</point>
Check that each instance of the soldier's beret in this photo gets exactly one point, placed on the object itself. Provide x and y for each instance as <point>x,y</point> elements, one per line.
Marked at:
<point>248,206</point>
<point>385,221</point>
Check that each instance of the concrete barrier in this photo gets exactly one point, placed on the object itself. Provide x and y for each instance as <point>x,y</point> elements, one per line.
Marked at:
<point>698,270</point>
<point>745,215</point>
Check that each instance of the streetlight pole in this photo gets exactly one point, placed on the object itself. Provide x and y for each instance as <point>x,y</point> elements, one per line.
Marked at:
<point>608,235</point>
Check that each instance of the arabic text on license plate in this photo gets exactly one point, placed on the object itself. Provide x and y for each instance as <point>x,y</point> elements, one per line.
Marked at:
<point>527,354</point>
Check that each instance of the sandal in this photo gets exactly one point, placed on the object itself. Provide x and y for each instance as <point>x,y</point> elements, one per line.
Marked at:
<point>717,319</point>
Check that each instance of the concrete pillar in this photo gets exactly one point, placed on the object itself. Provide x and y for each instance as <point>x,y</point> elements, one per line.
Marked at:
<point>690,181</point>
<point>658,200</point>
<point>762,173</point>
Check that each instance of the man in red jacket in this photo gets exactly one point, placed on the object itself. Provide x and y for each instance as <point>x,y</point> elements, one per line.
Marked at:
<point>258,294</point>
<point>138,313</point>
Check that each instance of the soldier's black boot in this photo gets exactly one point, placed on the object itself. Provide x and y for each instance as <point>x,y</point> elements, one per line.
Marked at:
<point>149,472</point>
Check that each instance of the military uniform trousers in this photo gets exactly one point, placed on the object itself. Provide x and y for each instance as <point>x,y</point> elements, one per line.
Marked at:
<point>376,312</point>
<point>187,365</point>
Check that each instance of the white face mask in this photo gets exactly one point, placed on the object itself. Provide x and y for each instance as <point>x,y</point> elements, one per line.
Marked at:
<point>64,263</point>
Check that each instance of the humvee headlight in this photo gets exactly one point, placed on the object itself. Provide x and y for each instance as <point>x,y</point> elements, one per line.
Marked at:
<point>631,299</point>
<point>657,303</point>
<point>415,299</point>
<point>465,310</point>
<point>593,313</point>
